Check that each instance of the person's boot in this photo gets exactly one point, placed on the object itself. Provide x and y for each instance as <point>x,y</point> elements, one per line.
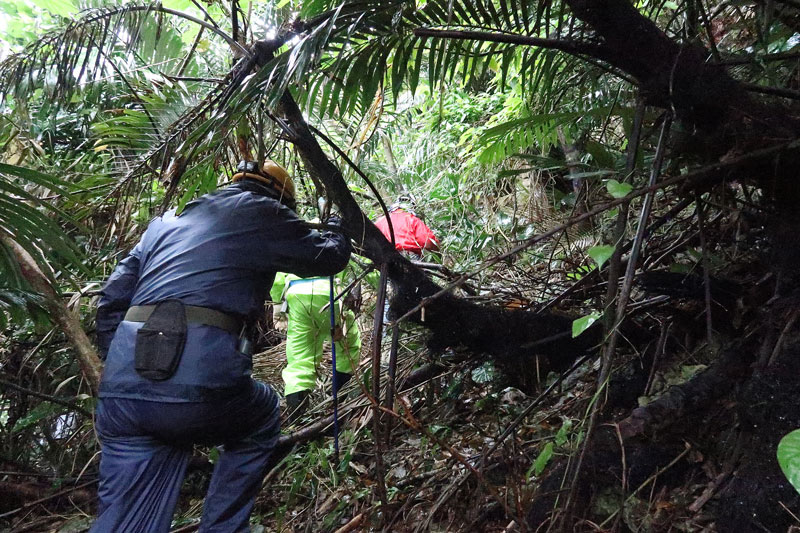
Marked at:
<point>296,404</point>
<point>340,380</point>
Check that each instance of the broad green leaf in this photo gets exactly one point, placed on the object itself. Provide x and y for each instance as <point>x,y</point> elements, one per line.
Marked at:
<point>789,457</point>
<point>579,272</point>
<point>40,412</point>
<point>579,325</point>
<point>601,253</point>
<point>690,371</point>
<point>680,268</point>
<point>399,67</point>
<point>543,459</point>
<point>671,5</point>
<point>311,8</point>
<point>418,57</point>
<point>563,431</point>
<point>484,373</point>
<point>617,189</point>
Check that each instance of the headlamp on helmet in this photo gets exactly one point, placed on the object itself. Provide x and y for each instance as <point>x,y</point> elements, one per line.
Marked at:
<point>271,174</point>
<point>248,166</point>
<point>406,202</point>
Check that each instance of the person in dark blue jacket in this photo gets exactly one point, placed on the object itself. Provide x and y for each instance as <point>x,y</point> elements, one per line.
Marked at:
<point>172,319</point>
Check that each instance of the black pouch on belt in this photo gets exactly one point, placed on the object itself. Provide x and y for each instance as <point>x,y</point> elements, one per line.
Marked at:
<point>160,342</point>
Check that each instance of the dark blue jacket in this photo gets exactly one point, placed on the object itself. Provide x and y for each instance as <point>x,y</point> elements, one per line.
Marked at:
<point>221,252</point>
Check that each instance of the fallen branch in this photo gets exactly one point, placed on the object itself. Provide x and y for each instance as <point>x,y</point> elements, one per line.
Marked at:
<point>352,524</point>
<point>772,91</point>
<point>47,498</point>
<point>730,368</point>
<point>712,383</point>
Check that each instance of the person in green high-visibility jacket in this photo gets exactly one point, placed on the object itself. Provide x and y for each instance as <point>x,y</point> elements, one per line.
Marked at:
<point>304,301</point>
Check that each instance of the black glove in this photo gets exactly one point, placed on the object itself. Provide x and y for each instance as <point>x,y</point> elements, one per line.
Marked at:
<point>334,220</point>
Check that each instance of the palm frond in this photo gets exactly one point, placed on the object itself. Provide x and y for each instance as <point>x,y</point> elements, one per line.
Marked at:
<point>87,49</point>
<point>23,218</point>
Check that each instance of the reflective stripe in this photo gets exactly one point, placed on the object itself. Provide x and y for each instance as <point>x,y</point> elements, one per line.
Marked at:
<point>307,286</point>
<point>303,280</point>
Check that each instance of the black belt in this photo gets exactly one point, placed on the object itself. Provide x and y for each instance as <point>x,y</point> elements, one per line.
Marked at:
<point>194,315</point>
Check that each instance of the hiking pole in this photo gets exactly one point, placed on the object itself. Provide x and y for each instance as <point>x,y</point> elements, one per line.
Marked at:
<point>333,364</point>
<point>324,211</point>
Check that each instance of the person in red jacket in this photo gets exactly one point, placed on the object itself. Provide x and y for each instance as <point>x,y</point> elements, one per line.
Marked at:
<point>411,234</point>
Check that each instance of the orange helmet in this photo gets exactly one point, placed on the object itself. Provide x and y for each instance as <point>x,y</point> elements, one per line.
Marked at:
<point>271,173</point>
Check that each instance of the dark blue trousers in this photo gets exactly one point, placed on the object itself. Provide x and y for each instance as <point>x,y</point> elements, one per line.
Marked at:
<point>146,446</point>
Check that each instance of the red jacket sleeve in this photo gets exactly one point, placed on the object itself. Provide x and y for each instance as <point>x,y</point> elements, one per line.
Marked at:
<point>425,236</point>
